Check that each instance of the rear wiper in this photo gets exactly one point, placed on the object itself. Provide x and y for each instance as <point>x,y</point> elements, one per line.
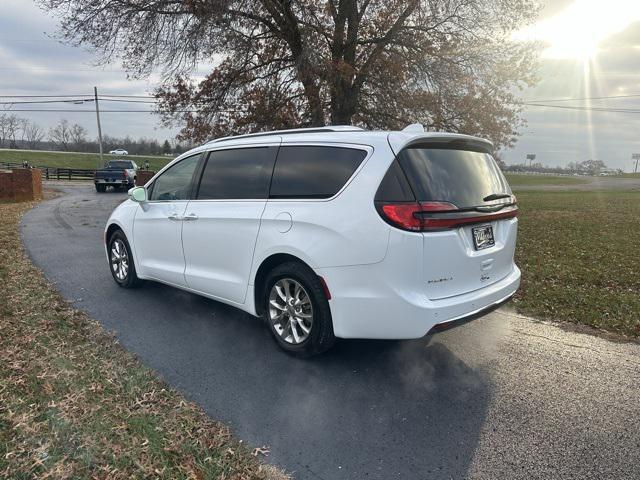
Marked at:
<point>496,196</point>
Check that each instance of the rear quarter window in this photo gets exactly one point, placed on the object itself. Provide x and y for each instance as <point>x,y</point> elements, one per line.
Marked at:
<point>313,171</point>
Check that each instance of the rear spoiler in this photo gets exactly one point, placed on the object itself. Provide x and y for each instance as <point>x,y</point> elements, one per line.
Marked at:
<point>398,141</point>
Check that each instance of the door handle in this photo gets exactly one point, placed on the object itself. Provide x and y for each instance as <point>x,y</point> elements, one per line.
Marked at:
<point>175,217</point>
<point>190,217</point>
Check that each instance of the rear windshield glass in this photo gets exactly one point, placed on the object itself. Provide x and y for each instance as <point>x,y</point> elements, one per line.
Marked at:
<point>120,164</point>
<point>461,177</point>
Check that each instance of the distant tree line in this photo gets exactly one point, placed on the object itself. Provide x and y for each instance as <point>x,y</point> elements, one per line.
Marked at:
<point>587,167</point>
<point>21,133</point>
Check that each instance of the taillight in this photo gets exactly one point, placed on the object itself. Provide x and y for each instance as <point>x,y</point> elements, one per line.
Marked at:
<point>429,216</point>
<point>124,174</point>
<point>408,216</point>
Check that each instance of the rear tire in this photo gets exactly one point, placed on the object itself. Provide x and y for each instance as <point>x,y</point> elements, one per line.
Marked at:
<point>100,188</point>
<point>121,264</point>
<point>297,310</point>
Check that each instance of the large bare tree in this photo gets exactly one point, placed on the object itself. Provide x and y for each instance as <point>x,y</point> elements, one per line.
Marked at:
<point>449,64</point>
<point>60,134</point>
<point>32,134</point>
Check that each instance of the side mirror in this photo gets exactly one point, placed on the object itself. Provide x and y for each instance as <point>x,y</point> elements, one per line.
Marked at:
<point>138,194</point>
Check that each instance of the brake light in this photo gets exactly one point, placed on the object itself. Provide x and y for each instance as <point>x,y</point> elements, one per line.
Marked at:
<point>124,174</point>
<point>429,216</point>
<point>407,215</point>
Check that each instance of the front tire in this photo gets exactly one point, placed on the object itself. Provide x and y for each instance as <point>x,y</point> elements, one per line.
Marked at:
<point>123,269</point>
<point>297,310</point>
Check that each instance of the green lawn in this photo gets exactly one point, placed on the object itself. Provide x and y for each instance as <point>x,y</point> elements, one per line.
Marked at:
<point>74,160</point>
<point>526,180</point>
<point>579,256</point>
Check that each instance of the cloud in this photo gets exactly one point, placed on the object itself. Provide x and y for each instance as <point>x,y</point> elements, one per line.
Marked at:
<point>32,62</point>
<point>561,136</point>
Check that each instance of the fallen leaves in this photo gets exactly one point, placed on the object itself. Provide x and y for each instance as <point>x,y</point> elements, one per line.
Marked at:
<point>74,404</point>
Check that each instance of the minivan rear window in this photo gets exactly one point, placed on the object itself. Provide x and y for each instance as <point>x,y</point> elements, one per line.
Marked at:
<point>461,177</point>
<point>313,171</point>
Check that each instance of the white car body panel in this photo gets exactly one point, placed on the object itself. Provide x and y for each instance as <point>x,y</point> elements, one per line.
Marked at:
<point>378,275</point>
<point>158,242</point>
<point>218,247</point>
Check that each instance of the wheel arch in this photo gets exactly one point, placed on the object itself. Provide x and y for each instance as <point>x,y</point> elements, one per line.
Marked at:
<point>112,227</point>
<point>111,230</point>
<point>268,264</point>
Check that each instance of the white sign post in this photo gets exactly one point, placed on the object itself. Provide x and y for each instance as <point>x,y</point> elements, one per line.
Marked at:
<point>636,157</point>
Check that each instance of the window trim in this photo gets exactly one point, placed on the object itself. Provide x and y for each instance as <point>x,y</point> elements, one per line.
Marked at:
<point>368,149</point>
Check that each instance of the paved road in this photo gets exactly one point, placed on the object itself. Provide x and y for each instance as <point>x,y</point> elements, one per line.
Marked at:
<point>502,397</point>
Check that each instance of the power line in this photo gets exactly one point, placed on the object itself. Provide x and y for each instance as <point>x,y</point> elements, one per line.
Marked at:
<point>634,95</point>
<point>128,96</point>
<point>42,96</point>
<point>77,95</point>
<point>107,111</point>
<point>589,109</point>
<point>20,102</point>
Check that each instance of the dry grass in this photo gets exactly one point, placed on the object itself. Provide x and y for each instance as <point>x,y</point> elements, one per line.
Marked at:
<point>74,404</point>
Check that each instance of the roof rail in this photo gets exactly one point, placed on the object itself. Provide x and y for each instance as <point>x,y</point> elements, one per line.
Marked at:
<point>332,128</point>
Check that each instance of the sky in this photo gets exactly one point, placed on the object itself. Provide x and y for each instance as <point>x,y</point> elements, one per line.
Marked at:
<point>591,48</point>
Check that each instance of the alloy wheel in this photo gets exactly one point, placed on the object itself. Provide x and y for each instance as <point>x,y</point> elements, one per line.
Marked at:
<point>119,259</point>
<point>290,311</point>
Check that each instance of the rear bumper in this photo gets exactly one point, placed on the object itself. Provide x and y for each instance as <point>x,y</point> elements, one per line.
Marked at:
<point>365,305</point>
<point>102,181</point>
<point>441,327</point>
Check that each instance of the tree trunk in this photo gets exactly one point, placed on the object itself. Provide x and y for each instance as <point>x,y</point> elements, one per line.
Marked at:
<point>344,101</point>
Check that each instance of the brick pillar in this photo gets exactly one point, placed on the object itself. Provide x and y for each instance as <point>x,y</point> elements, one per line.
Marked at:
<point>143,176</point>
<point>21,185</point>
<point>36,182</point>
<point>6,185</point>
<point>27,184</point>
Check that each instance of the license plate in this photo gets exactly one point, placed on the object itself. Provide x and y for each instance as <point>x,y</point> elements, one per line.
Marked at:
<point>483,237</point>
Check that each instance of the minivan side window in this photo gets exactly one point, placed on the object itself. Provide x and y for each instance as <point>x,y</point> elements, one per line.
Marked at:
<point>175,182</point>
<point>241,173</point>
<point>313,171</point>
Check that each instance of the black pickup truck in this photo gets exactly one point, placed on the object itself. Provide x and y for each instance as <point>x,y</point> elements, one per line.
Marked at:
<point>117,174</point>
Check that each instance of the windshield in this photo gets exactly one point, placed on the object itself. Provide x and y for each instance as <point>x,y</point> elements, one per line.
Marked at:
<point>464,178</point>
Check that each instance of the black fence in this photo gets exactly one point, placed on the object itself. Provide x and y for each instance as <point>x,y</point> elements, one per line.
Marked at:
<point>53,173</point>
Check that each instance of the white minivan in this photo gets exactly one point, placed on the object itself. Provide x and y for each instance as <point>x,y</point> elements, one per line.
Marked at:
<point>332,232</point>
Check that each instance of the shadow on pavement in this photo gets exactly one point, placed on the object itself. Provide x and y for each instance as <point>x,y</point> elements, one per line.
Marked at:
<point>365,410</point>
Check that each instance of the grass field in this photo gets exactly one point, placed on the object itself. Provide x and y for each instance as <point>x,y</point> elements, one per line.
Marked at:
<point>74,160</point>
<point>527,180</point>
<point>579,256</point>
<point>74,404</point>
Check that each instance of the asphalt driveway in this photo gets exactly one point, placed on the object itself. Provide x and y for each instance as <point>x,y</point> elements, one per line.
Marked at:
<point>502,397</point>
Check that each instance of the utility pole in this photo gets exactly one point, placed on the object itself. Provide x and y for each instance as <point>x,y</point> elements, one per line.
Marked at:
<point>636,157</point>
<point>95,94</point>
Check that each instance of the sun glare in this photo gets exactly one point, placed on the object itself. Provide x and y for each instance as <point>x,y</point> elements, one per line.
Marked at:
<point>576,31</point>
